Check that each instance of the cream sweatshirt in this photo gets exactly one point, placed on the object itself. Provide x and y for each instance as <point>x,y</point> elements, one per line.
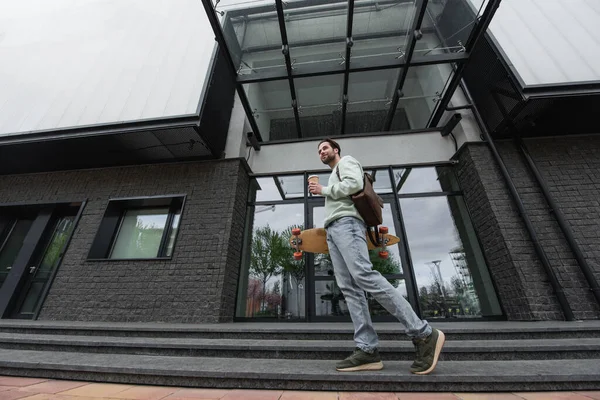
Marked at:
<point>337,193</point>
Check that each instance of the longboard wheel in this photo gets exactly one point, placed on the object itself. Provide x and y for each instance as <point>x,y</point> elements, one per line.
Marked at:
<point>296,231</point>
<point>384,254</point>
<point>383,229</point>
<point>297,255</point>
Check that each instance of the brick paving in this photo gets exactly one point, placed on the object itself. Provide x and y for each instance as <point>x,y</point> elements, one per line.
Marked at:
<point>13,388</point>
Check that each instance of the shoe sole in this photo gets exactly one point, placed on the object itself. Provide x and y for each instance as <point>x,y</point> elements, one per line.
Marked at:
<point>438,350</point>
<point>376,366</point>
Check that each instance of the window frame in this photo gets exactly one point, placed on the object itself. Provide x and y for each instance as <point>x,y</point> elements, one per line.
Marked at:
<point>395,197</point>
<point>112,221</point>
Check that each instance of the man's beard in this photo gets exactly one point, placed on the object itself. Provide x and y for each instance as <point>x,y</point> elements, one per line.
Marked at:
<point>328,159</point>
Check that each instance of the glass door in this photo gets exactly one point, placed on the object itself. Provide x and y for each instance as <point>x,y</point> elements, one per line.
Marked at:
<point>327,302</point>
<point>12,237</point>
<point>43,264</point>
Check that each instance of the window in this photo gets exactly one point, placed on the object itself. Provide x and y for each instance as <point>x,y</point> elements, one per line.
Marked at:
<point>272,283</point>
<point>143,228</point>
<point>438,266</point>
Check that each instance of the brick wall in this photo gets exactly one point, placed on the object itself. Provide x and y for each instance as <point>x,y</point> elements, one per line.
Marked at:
<point>522,283</point>
<point>196,285</point>
<point>571,169</point>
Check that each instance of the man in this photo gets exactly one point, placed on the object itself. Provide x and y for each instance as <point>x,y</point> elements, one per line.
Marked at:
<point>346,238</point>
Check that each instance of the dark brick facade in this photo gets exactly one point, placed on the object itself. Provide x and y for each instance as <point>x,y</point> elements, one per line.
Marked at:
<point>196,285</point>
<point>567,165</point>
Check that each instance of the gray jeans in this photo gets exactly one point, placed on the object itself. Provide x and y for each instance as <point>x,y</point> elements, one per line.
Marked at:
<point>354,274</point>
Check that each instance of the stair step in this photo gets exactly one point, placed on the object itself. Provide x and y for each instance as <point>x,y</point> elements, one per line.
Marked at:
<point>302,349</point>
<point>219,372</point>
<point>499,330</point>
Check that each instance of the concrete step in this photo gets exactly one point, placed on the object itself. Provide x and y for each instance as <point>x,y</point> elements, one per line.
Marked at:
<point>456,350</point>
<point>213,372</point>
<point>497,330</point>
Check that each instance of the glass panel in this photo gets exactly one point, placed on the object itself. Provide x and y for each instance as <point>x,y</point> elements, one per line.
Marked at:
<point>369,95</point>
<point>33,295</point>
<point>12,246</point>
<point>452,21</point>
<point>423,180</point>
<point>292,185</point>
<point>377,52</point>
<point>451,274</point>
<point>316,34</point>
<point>329,300</point>
<point>140,233</point>
<point>381,27</point>
<point>266,190</point>
<point>271,282</point>
<point>174,229</point>
<point>61,234</point>
<point>48,263</point>
<point>271,104</point>
<point>320,100</point>
<point>423,89</point>
<point>253,37</point>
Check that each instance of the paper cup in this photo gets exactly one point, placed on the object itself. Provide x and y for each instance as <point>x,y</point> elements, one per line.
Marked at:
<point>313,178</point>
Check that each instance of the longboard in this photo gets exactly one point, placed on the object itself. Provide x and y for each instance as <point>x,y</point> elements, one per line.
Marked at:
<point>315,241</point>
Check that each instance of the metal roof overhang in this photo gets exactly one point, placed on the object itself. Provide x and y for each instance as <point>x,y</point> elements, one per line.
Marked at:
<point>508,107</point>
<point>199,136</point>
<point>451,23</point>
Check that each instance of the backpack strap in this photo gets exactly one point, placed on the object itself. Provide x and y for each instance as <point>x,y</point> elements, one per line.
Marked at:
<point>375,240</point>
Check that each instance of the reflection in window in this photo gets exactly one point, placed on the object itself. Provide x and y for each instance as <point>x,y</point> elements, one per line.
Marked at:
<point>451,274</point>
<point>329,300</point>
<point>142,228</point>
<point>140,233</point>
<point>377,309</point>
<point>272,283</point>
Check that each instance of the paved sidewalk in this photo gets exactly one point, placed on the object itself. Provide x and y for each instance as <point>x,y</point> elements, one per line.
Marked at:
<point>12,388</point>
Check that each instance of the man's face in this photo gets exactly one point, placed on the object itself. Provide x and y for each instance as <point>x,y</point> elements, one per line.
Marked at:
<point>327,153</point>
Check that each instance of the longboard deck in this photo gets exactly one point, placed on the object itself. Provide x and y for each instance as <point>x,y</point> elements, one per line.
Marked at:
<point>315,241</point>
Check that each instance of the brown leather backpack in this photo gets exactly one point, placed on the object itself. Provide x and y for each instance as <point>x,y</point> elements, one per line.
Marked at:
<point>368,203</point>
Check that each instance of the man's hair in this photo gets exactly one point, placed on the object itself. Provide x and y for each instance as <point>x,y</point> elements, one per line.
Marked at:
<point>333,144</point>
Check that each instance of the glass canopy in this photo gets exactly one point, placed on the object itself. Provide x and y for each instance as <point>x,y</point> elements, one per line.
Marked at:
<point>317,68</point>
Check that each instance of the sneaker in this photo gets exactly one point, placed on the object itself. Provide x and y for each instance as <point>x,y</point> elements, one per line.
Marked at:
<point>360,361</point>
<point>428,351</point>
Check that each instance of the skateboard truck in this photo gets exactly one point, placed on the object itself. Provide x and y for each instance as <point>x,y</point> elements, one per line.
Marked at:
<point>383,253</point>
<point>296,243</point>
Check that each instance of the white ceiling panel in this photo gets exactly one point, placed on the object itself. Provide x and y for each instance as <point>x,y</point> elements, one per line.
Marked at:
<point>549,41</point>
<point>67,63</point>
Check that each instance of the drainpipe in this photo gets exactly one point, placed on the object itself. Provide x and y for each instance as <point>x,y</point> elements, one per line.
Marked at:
<point>560,295</point>
<point>562,223</point>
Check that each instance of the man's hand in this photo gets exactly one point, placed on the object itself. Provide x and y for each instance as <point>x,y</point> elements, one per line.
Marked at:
<point>315,188</point>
